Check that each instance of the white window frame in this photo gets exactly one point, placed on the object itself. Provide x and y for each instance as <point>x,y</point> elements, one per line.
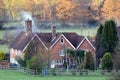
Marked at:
<point>59,62</point>
<point>62,53</point>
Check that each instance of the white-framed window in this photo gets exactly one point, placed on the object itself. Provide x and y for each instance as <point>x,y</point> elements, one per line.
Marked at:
<point>62,41</point>
<point>59,62</point>
<point>62,53</point>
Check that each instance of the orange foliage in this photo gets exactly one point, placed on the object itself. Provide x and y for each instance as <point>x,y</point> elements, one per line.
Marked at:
<point>65,9</point>
<point>111,9</point>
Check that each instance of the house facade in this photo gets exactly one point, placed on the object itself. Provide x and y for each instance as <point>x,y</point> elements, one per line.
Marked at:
<point>52,44</point>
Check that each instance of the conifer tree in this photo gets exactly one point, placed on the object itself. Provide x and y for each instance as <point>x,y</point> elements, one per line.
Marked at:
<point>109,37</point>
<point>98,42</point>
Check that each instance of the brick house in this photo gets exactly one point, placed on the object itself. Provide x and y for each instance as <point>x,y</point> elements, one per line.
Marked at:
<point>52,44</point>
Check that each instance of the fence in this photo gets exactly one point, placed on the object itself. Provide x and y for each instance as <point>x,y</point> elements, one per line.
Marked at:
<point>61,72</point>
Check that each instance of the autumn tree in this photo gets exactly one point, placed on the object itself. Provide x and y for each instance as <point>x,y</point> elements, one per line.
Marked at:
<point>65,10</point>
<point>96,2</point>
<point>111,10</point>
<point>83,13</point>
<point>13,8</point>
<point>2,11</point>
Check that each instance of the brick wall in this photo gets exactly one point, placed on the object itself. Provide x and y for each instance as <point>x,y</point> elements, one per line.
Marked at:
<point>86,46</point>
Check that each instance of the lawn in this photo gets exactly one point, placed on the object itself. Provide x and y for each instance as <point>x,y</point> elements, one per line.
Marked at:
<point>15,75</point>
<point>4,48</point>
<point>1,34</point>
<point>79,31</point>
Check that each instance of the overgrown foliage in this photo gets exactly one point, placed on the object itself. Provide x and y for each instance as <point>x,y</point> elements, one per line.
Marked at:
<point>106,38</point>
<point>107,62</point>
<point>2,55</point>
<point>35,63</point>
<point>89,62</point>
<point>33,57</point>
<point>80,56</point>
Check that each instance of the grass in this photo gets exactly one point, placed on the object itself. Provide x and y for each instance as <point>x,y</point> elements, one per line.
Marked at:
<point>15,75</point>
<point>4,48</point>
<point>1,34</point>
<point>79,31</point>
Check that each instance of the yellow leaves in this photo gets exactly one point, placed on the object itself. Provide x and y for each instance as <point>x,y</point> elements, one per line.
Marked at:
<point>111,9</point>
<point>2,56</point>
<point>65,9</point>
<point>96,2</point>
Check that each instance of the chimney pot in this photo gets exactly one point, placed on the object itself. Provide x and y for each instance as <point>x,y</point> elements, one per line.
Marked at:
<point>53,31</point>
<point>28,24</point>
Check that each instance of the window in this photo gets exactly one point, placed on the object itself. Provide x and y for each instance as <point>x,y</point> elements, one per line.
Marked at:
<point>61,53</point>
<point>62,41</point>
<point>59,62</point>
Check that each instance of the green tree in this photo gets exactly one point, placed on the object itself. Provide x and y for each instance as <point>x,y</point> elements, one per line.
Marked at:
<point>70,54</point>
<point>109,37</point>
<point>29,52</point>
<point>35,63</point>
<point>2,56</point>
<point>98,43</point>
<point>80,58</point>
<point>89,62</point>
<point>33,57</point>
<point>107,63</point>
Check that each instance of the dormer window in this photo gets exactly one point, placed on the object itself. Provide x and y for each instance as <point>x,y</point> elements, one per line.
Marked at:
<point>62,40</point>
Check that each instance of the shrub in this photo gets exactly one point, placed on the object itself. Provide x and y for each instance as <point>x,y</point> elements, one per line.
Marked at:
<point>2,56</point>
<point>107,63</point>
<point>89,62</point>
<point>34,64</point>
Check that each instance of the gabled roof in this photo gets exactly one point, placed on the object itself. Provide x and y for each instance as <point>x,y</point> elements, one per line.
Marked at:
<point>73,38</point>
<point>21,40</point>
<point>45,38</point>
<point>86,38</point>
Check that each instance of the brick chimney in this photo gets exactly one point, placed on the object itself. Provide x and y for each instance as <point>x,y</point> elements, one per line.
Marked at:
<point>53,31</point>
<point>28,24</point>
